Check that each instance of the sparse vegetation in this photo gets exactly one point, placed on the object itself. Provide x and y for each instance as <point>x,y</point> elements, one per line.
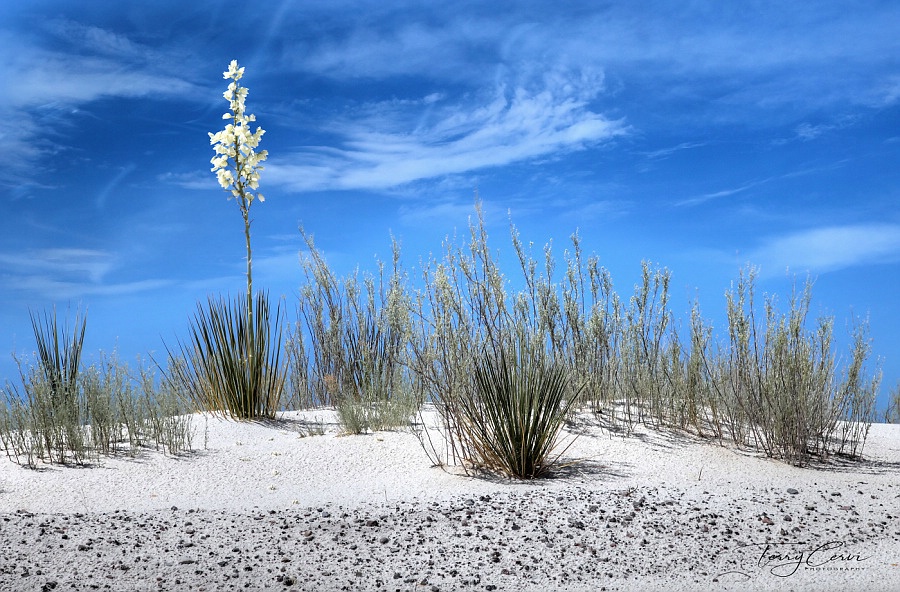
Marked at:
<point>359,337</point>
<point>773,385</point>
<point>70,415</point>
<point>504,369</point>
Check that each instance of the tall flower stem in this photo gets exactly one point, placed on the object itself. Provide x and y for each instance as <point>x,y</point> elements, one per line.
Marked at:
<point>245,211</point>
<point>237,165</point>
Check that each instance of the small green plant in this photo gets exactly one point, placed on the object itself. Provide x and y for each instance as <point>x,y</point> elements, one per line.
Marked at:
<point>511,421</point>
<point>170,426</point>
<point>45,420</point>
<point>375,395</point>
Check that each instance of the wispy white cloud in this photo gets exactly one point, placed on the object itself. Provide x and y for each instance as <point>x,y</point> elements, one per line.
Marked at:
<point>887,93</point>
<point>197,180</point>
<point>829,248</point>
<point>700,199</point>
<point>806,131</point>
<point>50,77</point>
<point>107,189</point>
<point>68,273</point>
<point>667,152</point>
<point>87,264</point>
<point>812,57</point>
<point>49,85</point>
<point>96,40</point>
<point>516,124</point>
<point>600,210</point>
<point>56,289</point>
<point>411,48</point>
<point>429,213</point>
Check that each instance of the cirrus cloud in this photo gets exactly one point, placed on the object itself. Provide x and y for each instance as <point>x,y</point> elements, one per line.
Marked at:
<point>516,124</point>
<point>829,249</point>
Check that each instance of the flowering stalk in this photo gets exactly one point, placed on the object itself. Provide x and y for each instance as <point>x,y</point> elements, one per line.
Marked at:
<point>236,163</point>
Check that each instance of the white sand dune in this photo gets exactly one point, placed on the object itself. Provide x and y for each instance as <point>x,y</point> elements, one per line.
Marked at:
<point>266,507</point>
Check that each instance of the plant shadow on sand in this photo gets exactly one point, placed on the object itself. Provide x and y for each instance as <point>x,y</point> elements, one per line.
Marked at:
<point>566,470</point>
<point>840,463</point>
<point>588,425</point>
<point>300,425</point>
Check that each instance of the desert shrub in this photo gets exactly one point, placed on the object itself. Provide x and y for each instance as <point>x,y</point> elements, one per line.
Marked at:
<point>374,395</point>
<point>462,308</point>
<point>359,335</point>
<point>34,428</point>
<point>775,383</point>
<point>168,422</point>
<point>778,380</point>
<point>317,369</point>
<point>108,407</point>
<point>44,420</point>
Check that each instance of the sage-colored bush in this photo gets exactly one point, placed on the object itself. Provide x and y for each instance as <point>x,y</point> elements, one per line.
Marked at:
<point>774,384</point>
<point>771,382</point>
<point>892,413</point>
<point>359,336</point>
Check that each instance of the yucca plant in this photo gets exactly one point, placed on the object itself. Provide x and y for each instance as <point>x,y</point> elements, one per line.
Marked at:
<point>511,421</point>
<point>59,359</point>
<point>232,363</point>
<point>233,366</point>
<point>51,409</point>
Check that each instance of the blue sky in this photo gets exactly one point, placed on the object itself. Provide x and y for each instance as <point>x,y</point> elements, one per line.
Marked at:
<point>701,136</point>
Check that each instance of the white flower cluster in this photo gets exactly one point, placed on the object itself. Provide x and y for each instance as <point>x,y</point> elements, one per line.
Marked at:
<point>236,163</point>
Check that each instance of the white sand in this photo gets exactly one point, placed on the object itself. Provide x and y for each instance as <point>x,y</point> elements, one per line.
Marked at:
<point>330,512</point>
